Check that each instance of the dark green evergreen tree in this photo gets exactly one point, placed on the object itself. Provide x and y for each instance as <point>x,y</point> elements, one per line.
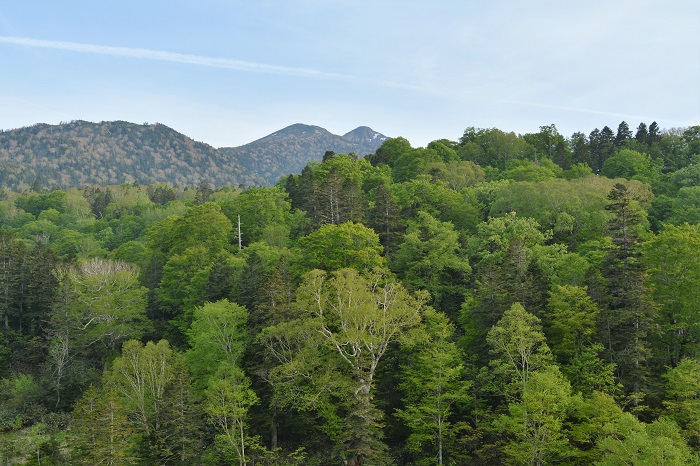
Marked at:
<point>626,315</point>
<point>642,133</point>
<point>654,135</point>
<point>384,217</point>
<point>623,134</point>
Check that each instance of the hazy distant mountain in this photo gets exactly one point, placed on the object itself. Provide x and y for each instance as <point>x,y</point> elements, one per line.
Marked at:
<point>81,153</point>
<point>290,149</point>
<point>365,136</point>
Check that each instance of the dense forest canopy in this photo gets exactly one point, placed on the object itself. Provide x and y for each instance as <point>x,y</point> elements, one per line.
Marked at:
<point>501,299</point>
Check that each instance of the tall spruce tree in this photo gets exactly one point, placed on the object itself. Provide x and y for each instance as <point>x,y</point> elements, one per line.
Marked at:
<point>627,315</point>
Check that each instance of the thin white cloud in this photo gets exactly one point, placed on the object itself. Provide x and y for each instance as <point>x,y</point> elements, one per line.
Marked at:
<point>159,55</point>
<point>198,60</point>
<point>580,110</point>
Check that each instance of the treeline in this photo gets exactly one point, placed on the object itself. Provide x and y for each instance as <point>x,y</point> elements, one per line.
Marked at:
<point>501,299</point>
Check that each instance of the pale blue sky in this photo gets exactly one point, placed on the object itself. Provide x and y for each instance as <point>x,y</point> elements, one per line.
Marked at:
<point>227,72</point>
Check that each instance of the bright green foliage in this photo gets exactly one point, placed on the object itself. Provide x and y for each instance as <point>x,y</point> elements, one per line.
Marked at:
<point>20,397</point>
<point>579,170</point>
<point>430,258</point>
<point>683,398</point>
<point>571,317</point>
<point>100,305</point>
<point>216,336</point>
<point>140,377</point>
<point>500,234</point>
<point>109,301</point>
<point>260,210</point>
<point>332,192</point>
<point>390,151</point>
<point>304,376</point>
<point>227,400</point>
<point>535,423</point>
<point>202,225</point>
<point>527,170</point>
<point>445,148</point>
<point>559,267</point>
<point>686,206</point>
<point>151,382</point>
<point>518,348</point>
<point>413,163</point>
<point>630,164</point>
<point>673,266</point>
<point>457,174</point>
<point>587,372</point>
<point>188,252</point>
<point>133,252</point>
<point>36,203</point>
<point>332,247</point>
<point>574,210</point>
<point>185,277</point>
<point>592,418</point>
<point>358,319</point>
<point>636,443</point>
<point>493,147</point>
<point>310,377</point>
<point>436,198</point>
<point>434,387</point>
<point>504,270</point>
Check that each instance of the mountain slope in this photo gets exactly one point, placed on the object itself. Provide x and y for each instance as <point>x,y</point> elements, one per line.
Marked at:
<point>81,153</point>
<point>290,149</point>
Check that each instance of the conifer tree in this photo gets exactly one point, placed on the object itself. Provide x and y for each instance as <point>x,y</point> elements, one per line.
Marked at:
<point>627,317</point>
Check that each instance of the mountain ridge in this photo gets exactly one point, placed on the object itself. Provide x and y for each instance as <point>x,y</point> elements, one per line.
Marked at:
<point>80,153</point>
<point>289,150</point>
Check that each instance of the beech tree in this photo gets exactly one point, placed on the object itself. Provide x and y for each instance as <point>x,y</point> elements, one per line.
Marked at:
<point>430,258</point>
<point>536,423</point>
<point>674,281</point>
<point>634,442</point>
<point>683,397</point>
<point>100,305</point>
<point>142,377</point>
<point>356,319</point>
<point>518,347</point>
<point>333,247</point>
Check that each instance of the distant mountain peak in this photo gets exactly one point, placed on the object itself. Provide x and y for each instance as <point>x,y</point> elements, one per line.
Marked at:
<point>80,153</point>
<point>290,149</point>
<point>365,135</point>
<point>298,130</point>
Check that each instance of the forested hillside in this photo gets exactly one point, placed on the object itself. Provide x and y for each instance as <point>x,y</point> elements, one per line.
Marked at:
<point>502,299</point>
<point>79,153</point>
<point>290,149</point>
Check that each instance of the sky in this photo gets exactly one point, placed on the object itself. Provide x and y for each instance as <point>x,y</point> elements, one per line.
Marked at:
<point>228,72</point>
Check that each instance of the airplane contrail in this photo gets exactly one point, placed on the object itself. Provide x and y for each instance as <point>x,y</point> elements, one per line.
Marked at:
<point>199,60</point>
<point>159,55</point>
